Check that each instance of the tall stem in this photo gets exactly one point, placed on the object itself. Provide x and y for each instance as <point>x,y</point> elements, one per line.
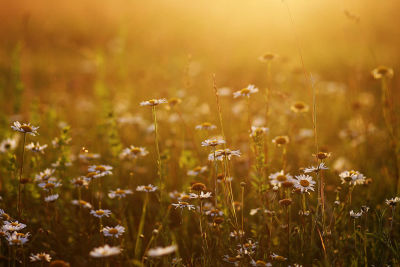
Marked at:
<point>19,208</point>
<point>158,152</point>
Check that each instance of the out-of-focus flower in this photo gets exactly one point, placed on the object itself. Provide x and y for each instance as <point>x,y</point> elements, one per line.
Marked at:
<point>250,89</point>
<point>25,128</point>
<point>105,251</point>
<point>36,147</point>
<point>153,102</point>
<point>161,251</point>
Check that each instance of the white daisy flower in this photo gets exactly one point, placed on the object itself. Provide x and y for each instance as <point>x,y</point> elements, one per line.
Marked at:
<point>82,203</point>
<point>88,156</point>
<point>221,154</point>
<point>13,226</point>
<point>44,257</point>
<point>153,102</point>
<point>17,239</point>
<point>250,89</point>
<point>304,182</point>
<point>25,128</point>
<point>146,188</point>
<point>116,231</point>
<point>277,257</point>
<point>133,152</point>
<point>232,260</point>
<point>206,126</point>
<point>120,193</point>
<point>44,175</point>
<point>161,251</point>
<point>49,184</point>
<point>201,196</point>
<point>100,170</point>
<point>51,198</point>
<point>278,178</point>
<point>36,147</point>
<point>260,263</point>
<point>355,215</point>
<point>197,171</point>
<point>311,169</point>
<point>100,213</point>
<point>182,205</point>
<point>393,201</point>
<point>8,144</point>
<point>105,251</point>
<point>213,142</point>
<point>352,177</point>
<point>81,181</point>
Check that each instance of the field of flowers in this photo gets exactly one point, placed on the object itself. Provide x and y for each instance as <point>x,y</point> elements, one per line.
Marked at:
<point>215,133</point>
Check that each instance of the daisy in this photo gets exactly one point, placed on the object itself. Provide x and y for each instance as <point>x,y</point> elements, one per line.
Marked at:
<point>161,251</point>
<point>88,156</point>
<point>233,260</point>
<point>207,126</point>
<point>258,131</point>
<point>197,171</point>
<point>183,205</point>
<point>392,202</point>
<point>80,181</point>
<point>82,203</point>
<point>202,195</point>
<point>40,257</point>
<point>51,198</point>
<point>146,188</point>
<point>213,142</point>
<point>100,213</point>
<point>100,170</point>
<point>220,154</point>
<point>277,257</point>
<point>50,184</point>
<point>17,239</point>
<point>8,144</point>
<point>36,147</point>
<point>299,107</point>
<point>13,226</point>
<point>316,169</point>
<point>120,193</point>
<point>281,140</point>
<point>382,72</point>
<point>355,215</point>
<point>44,175</point>
<point>153,102</point>
<point>133,152</point>
<point>268,57</point>
<point>260,263</point>
<point>278,178</point>
<point>116,231</point>
<point>105,251</point>
<point>304,182</point>
<point>26,128</point>
<point>352,177</point>
<point>250,89</point>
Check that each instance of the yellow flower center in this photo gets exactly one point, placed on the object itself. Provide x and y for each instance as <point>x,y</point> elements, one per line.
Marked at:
<point>100,168</point>
<point>99,212</point>
<point>281,178</point>
<point>26,128</point>
<point>304,183</point>
<point>119,192</point>
<point>113,231</point>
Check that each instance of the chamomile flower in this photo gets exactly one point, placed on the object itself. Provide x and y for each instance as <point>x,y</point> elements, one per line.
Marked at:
<point>316,169</point>
<point>161,251</point>
<point>382,72</point>
<point>221,154</point>
<point>44,257</point>
<point>279,178</point>
<point>281,140</point>
<point>304,183</point>
<point>299,107</point>
<point>82,203</point>
<point>26,128</point>
<point>277,257</point>
<point>202,195</point>
<point>352,177</point>
<point>105,251</point>
<point>206,126</point>
<point>8,144</point>
<point>153,102</point>
<point>44,175</point>
<point>49,184</point>
<point>392,202</point>
<point>36,147</point>
<point>116,231</point>
<point>146,188</point>
<point>100,170</point>
<point>13,226</point>
<point>85,156</point>
<point>120,193</point>
<point>182,205</point>
<point>232,260</point>
<point>51,198</point>
<point>355,215</point>
<point>100,213</point>
<point>133,152</point>
<point>250,89</point>
<point>213,142</point>
<point>258,131</point>
<point>81,181</point>
<point>260,263</point>
<point>268,57</point>
<point>17,239</point>
<point>197,171</point>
